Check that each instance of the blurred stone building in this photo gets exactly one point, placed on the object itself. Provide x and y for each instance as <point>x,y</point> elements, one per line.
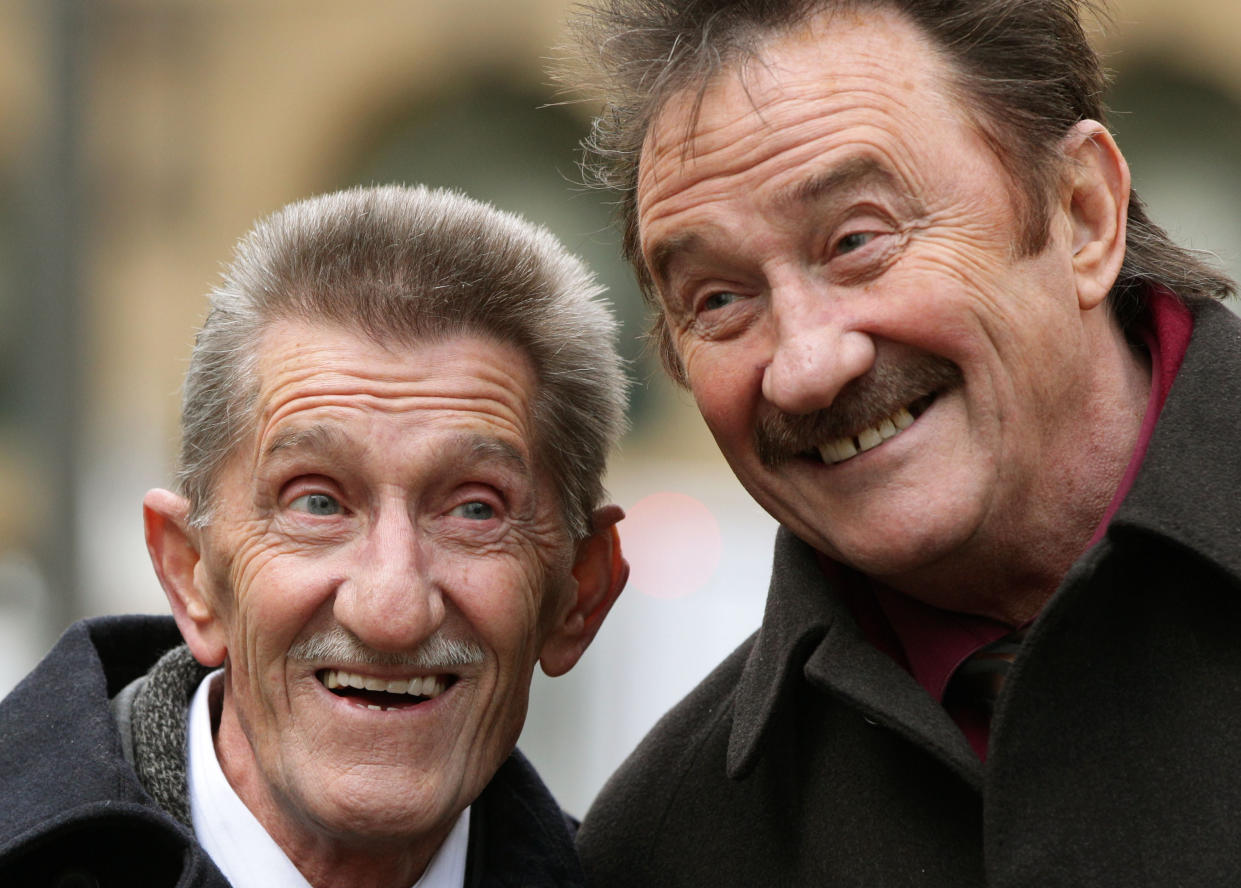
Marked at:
<point>140,138</point>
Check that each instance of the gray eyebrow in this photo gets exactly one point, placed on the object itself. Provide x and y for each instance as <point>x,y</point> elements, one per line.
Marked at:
<point>316,437</point>
<point>326,438</point>
<point>484,446</point>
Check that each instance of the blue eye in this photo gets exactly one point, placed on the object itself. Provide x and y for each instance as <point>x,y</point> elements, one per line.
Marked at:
<point>719,300</point>
<point>855,241</point>
<point>474,510</point>
<point>316,504</point>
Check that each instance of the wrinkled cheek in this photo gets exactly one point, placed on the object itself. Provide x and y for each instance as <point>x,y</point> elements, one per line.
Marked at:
<point>260,642</point>
<point>250,685</point>
<point>504,723</point>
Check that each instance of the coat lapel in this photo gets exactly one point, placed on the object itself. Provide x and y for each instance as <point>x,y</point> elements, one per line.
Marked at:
<point>807,629</point>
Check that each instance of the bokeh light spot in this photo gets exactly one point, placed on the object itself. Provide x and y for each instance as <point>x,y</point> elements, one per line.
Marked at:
<point>673,545</point>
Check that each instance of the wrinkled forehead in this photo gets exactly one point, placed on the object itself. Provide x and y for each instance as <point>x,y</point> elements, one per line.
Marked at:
<point>305,369</point>
<point>864,71</point>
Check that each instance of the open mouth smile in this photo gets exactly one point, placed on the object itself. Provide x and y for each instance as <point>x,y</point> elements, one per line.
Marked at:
<point>385,694</point>
<point>841,449</point>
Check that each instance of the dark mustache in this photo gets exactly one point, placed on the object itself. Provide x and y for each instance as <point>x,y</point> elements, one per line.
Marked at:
<point>862,403</point>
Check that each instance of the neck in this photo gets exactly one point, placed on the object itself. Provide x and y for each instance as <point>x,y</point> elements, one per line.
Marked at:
<point>332,866</point>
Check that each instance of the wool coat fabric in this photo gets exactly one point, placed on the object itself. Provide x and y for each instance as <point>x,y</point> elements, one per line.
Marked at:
<point>73,812</point>
<point>809,758</point>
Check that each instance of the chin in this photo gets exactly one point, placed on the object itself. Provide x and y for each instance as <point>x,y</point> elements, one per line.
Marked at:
<point>383,821</point>
<point>359,808</point>
<point>901,546</point>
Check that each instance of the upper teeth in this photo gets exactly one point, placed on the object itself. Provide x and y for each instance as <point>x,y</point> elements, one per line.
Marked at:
<point>418,686</point>
<point>843,448</point>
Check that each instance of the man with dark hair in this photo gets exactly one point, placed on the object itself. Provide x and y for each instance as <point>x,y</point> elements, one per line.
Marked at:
<point>897,260</point>
<point>394,431</point>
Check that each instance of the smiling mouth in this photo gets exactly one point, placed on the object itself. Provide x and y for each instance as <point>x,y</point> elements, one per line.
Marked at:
<point>384,694</point>
<point>839,450</point>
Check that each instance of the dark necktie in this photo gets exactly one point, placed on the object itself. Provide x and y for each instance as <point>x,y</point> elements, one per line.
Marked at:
<point>979,679</point>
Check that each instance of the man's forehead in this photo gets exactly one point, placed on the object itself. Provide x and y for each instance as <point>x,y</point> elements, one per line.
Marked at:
<point>839,102</point>
<point>330,439</point>
<point>294,352</point>
<point>315,380</point>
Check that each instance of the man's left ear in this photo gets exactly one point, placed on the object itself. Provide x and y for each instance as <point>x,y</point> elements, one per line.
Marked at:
<point>1098,207</point>
<point>599,574</point>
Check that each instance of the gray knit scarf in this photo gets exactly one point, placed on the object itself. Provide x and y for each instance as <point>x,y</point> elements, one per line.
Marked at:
<point>158,719</point>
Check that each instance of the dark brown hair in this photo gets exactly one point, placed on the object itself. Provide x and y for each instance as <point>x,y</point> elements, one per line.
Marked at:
<point>1025,70</point>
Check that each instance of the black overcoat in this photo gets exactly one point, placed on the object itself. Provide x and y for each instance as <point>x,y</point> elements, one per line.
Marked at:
<point>809,758</point>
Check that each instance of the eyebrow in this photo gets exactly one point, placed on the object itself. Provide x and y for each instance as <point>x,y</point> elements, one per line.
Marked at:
<point>847,177</point>
<point>486,447</point>
<point>331,440</point>
<point>839,183</point>
<point>316,437</point>
<point>669,249</point>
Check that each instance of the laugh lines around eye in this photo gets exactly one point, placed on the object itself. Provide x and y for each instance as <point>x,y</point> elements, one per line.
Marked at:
<point>673,545</point>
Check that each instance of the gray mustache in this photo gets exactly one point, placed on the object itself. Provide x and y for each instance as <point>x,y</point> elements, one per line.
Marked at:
<point>862,403</point>
<point>341,647</point>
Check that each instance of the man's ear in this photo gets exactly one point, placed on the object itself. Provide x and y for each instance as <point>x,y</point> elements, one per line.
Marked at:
<point>175,554</point>
<point>599,574</point>
<point>1098,207</point>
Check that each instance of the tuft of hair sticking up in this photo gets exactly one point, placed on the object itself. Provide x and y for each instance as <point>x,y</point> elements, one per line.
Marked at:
<point>1025,72</point>
<point>405,265</point>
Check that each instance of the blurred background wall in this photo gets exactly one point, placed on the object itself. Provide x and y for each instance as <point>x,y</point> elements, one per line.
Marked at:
<point>140,138</point>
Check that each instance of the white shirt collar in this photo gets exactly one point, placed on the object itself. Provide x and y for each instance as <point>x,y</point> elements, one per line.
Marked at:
<point>237,842</point>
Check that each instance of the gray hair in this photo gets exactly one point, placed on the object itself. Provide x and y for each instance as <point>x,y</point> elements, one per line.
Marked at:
<point>1024,69</point>
<point>412,264</point>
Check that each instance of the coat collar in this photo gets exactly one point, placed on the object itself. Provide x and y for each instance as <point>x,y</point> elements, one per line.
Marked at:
<point>800,609</point>
<point>519,835</point>
<point>1187,488</point>
<point>62,770</point>
<point>807,628</point>
<point>56,730</point>
<point>1186,491</point>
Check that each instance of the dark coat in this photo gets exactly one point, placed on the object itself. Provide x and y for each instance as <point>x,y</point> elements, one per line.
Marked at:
<point>810,758</point>
<point>73,813</point>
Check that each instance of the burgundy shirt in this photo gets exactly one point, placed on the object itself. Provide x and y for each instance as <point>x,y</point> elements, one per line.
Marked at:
<point>931,643</point>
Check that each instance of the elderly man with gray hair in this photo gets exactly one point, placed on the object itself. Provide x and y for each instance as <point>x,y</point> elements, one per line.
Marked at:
<point>390,508</point>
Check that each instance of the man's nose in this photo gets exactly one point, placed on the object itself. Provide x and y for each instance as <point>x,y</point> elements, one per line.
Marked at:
<point>817,348</point>
<point>389,600</point>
